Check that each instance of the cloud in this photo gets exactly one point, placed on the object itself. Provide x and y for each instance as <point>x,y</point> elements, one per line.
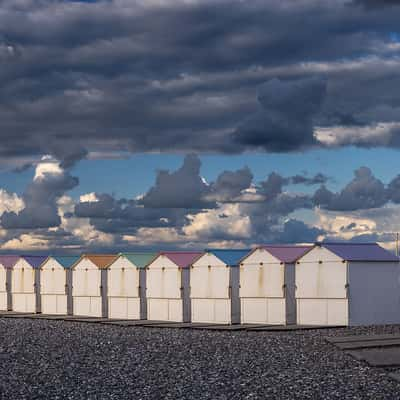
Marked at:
<point>363,192</point>
<point>295,231</point>
<point>375,4</point>
<point>181,76</point>
<point>318,178</point>
<point>10,202</point>
<point>230,185</point>
<point>183,188</point>
<point>40,198</point>
<point>285,122</point>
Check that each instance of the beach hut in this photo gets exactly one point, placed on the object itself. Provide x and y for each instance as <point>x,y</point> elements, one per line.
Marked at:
<point>348,284</point>
<point>127,285</point>
<point>56,284</point>
<point>167,286</point>
<point>6,265</point>
<point>89,285</point>
<point>25,284</point>
<point>267,284</point>
<point>214,286</point>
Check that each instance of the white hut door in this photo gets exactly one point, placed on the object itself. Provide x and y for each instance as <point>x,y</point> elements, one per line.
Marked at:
<point>262,293</point>
<point>321,293</point>
<point>123,292</point>
<point>23,279</point>
<point>86,290</point>
<point>209,291</point>
<point>164,293</point>
<point>52,289</point>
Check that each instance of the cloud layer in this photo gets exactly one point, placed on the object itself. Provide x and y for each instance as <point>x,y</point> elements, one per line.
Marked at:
<point>182,210</point>
<point>210,76</point>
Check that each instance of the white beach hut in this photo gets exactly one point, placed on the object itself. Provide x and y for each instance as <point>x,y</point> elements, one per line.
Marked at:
<point>25,286</point>
<point>56,284</point>
<point>89,285</point>
<point>126,285</point>
<point>7,263</point>
<point>167,286</point>
<point>267,284</point>
<point>214,286</point>
<point>348,284</point>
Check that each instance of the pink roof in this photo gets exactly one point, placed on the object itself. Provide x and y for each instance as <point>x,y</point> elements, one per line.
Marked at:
<point>9,261</point>
<point>287,253</point>
<point>182,259</point>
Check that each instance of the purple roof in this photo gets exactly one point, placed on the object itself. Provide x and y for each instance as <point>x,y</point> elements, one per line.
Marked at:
<point>35,261</point>
<point>287,253</point>
<point>182,258</point>
<point>8,261</point>
<point>360,251</point>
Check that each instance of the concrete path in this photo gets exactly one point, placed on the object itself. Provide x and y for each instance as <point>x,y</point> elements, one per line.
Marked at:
<point>358,338</point>
<point>378,357</point>
<point>365,344</point>
<point>273,328</point>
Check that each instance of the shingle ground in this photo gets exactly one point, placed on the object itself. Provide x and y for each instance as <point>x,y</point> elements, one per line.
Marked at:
<point>69,360</point>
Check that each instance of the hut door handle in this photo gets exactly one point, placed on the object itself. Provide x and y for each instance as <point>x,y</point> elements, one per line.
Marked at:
<point>230,292</point>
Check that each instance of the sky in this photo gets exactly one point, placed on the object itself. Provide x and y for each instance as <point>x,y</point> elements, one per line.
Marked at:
<point>185,124</point>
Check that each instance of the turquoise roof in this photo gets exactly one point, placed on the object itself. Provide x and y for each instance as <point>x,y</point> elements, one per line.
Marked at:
<point>66,261</point>
<point>230,257</point>
<point>140,260</point>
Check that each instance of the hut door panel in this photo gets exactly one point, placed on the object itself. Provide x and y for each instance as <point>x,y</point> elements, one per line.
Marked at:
<point>23,302</point>
<point>3,279</point>
<point>87,306</point>
<point>175,310</point>
<point>53,282</point>
<point>153,283</point>
<point>78,282</point>
<point>263,311</point>
<point>124,308</point>
<point>3,301</point>
<point>3,290</point>
<point>262,280</point>
<point>54,304</point>
<point>157,309</point>
<point>86,282</point>
<point>211,310</point>
<point>325,280</point>
<point>322,311</point>
<point>123,283</point>
<point>172,283</point>
<point>209,283</point>
<point>22,280</point>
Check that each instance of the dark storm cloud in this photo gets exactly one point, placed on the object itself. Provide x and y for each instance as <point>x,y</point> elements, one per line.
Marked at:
<point>114,76</point>
<point>230,184</point>
<point>40,198</point>
<point>183,188</point>
<point>295,231</point>
<point>285,121</point>
<point>363,192</point>
<point>110,215</point>
<point>305,180</point>
<point>375,4</point>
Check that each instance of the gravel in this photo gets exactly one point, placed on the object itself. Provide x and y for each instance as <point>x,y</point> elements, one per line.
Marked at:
<point>69,360</point>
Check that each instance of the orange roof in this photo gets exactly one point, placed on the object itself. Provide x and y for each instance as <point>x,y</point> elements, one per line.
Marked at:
<point>101,261</point>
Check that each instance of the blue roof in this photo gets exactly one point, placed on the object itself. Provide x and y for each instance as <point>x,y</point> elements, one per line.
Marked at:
<point>230,257</point>
<point>66,261</point>
<point>360,251</point>
<point>34,261</point>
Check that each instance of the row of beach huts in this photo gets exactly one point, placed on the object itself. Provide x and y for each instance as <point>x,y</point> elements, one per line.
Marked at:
<point>319,284</point>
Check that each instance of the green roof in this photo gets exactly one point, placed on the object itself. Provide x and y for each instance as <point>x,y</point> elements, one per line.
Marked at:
<point>140,260</point>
